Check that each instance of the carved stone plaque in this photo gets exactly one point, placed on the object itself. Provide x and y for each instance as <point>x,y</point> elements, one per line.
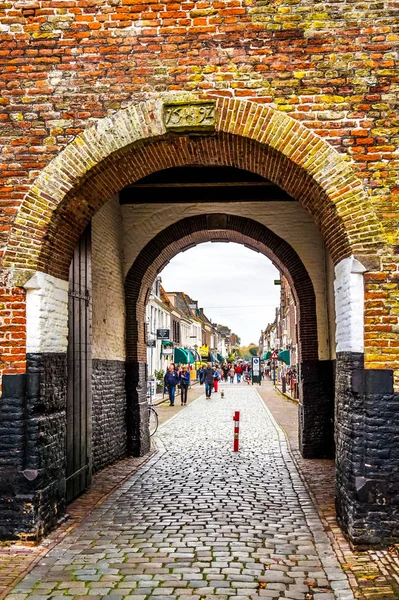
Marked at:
<point>190,116</point>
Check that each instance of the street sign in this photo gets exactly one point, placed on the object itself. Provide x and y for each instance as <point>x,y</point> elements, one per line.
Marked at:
<point>163,334</point>
<point>256,377</point>
<point>274,355</point>
<point>152,343</point>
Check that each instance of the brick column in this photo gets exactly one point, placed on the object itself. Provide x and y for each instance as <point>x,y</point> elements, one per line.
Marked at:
<point>367,438</point>
<point>316,409</point>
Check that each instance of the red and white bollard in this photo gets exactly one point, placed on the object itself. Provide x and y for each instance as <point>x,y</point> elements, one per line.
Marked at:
<point>236,420</point>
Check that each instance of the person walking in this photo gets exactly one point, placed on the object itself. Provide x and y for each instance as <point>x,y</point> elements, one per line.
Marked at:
<point>231,374</point>
<point>184,383</point>
<point>171,381</point>
<point>201,375</point>
<point>208,380</point>
<point>238,373</point>
<point>216,378</point>
<point>225,372</point>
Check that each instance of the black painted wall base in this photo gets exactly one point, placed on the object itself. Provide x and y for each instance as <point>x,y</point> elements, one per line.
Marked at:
<point>32,448</point>
<point>109,410</point>
<point>138,437</point>
<point>316,409</point>
<point>367,439</point>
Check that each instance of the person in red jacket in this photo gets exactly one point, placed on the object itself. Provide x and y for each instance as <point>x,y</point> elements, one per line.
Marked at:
<point>238,373</point>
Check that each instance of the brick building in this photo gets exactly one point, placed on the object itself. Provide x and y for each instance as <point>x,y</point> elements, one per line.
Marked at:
<point>132,130</point>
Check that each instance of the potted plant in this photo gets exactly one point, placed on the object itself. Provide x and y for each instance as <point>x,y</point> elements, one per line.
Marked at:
<point>159,378</point>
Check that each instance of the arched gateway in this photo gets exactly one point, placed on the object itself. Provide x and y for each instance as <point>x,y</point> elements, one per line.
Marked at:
<point>171,131</point>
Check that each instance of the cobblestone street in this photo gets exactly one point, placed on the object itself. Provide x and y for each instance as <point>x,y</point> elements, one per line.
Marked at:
<point>201,521</point>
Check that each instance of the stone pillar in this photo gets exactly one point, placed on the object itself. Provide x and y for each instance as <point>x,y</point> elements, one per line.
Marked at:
<point>138,435</point>
<point>33,418</point>
<point>316,408</point>
<point>367,438</point>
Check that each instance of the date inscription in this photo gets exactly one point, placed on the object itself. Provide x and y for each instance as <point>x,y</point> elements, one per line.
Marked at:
<point>195,116</point>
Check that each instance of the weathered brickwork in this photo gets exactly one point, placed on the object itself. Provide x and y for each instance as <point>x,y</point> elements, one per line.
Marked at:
<point>109,412</point>
<point>13,330</point>
<point>305,95</point>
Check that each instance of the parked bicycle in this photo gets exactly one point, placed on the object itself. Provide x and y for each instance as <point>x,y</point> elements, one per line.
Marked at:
<point>152,419</point>
<point>152,413</point>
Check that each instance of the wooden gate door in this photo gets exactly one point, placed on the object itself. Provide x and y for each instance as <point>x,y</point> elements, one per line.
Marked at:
<point>78,440</point>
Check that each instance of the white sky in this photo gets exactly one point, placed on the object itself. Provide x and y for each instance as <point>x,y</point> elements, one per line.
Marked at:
<point>232,283</point>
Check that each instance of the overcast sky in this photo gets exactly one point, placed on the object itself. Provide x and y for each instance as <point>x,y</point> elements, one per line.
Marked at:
<point>233,284</point>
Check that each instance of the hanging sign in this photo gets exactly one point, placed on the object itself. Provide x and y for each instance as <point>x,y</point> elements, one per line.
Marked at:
<point>163,334</point>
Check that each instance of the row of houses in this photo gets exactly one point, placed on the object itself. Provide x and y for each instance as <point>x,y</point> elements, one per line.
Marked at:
<point>177,330</point>
<point>281,335</point>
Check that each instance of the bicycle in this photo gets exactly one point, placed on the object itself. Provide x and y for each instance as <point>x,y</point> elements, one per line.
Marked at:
<point>152,419</point>
<point>152,413</point>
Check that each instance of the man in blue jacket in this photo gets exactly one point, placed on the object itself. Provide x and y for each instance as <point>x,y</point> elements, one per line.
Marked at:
<point>172,379</point>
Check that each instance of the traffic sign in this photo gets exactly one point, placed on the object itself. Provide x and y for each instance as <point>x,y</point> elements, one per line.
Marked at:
<point>274,355</point>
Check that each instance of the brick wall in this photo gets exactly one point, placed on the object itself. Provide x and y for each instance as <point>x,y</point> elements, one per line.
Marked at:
<point>67,64</point>
<point>108,283</point>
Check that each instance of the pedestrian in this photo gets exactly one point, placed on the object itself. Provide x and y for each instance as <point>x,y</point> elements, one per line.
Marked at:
<point>238,373</point>
<point>201,374</point>
<point>208,380</point>
<point>216,378</point>
<point>171,381</point>
<point>231,374</point>
<point>184,383</point>
<point>225,372</point>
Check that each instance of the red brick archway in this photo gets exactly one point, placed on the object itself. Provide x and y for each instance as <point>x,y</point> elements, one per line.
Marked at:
<point>316,385</point>
<point>133,143</point>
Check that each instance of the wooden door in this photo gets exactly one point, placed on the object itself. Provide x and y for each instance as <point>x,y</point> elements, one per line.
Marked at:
<point>78,439</point>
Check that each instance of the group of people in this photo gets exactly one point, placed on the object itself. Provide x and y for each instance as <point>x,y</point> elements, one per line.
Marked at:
<point>174,378</point>
<point>209,375</point>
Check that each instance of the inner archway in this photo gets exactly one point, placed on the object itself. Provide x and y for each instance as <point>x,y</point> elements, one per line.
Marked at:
<point>315,377</point>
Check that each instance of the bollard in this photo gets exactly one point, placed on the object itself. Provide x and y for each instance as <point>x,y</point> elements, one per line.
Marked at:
<point>236,420</point>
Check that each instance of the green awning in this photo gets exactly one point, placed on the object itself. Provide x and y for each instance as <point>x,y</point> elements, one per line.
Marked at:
<point>181,356</point>
<point>220,357</point>
<point>266,355</point>
<point>184,356</point>
<point>167,343</point>
<point>284,355</point>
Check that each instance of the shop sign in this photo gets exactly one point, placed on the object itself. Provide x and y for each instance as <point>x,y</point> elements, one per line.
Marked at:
<point>163,334</point>
<point>204,351</point>
<point>167,351</point>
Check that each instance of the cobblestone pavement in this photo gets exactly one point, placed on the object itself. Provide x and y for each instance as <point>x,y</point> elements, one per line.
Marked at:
<point>200,521</point>
<point>373,574</point>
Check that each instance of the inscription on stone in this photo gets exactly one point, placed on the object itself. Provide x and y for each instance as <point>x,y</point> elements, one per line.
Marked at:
<point>195,116</point>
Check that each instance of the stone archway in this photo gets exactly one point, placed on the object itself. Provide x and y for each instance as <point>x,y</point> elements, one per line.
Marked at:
<point>135,142</point>
<point>316,377</point>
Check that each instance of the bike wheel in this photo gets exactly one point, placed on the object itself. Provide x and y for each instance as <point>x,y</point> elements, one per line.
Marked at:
<point>152,420</point>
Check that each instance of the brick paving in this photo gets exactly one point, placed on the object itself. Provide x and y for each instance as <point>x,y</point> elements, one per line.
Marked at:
<point>200,521</point>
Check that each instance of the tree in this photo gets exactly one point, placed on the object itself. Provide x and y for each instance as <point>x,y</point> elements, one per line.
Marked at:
<point>254,350</point>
